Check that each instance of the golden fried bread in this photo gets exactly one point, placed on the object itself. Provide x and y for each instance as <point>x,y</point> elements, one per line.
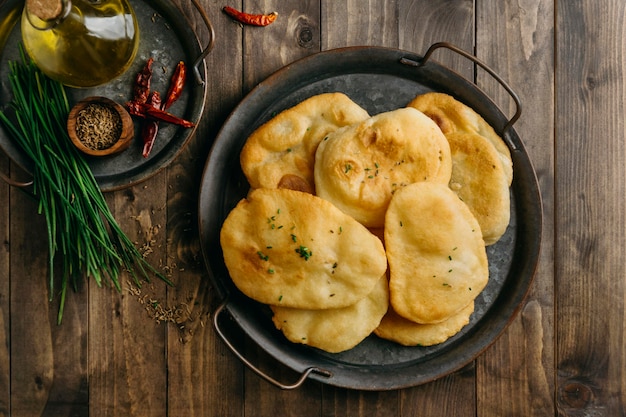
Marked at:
<point>397,329</point>
<point>294,249</point>
<point>451,115</point>
<point>436,253</point>
<point>280,153</point>
<point>359,167</point>
<point>335,329</point>
<point>479,180</point>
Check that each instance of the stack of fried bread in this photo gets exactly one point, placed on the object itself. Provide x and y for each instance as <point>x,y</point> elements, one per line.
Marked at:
<point>358,225</point>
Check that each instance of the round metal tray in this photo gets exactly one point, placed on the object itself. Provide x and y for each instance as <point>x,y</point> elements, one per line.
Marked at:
<point>166,35</point>
<point>379,79</point>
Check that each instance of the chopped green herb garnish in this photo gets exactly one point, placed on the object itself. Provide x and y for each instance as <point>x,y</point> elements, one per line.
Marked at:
<point>304,252</point>
<point>262,256</point>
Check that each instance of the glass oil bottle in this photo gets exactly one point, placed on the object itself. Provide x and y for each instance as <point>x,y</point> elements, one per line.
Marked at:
<point>81,43</point>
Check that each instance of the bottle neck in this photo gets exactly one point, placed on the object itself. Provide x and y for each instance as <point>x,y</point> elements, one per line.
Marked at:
<point>46,14</point>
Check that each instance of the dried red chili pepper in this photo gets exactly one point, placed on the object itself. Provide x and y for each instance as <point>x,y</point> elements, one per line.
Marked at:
<point>149,112</point>
<point>141,87</point>
<point>135,108</point>
<point>150,128</point>
<point>149,106</point>
<point>177,82</point>
<point>250,19</point>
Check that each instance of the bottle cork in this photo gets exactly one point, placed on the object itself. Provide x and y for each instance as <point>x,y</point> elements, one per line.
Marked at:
<point>46,10</point>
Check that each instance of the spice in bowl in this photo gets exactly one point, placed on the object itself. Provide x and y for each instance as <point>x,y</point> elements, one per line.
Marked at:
<point>99,126</point>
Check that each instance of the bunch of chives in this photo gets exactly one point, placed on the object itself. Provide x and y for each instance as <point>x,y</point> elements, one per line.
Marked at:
<point>80,226</point>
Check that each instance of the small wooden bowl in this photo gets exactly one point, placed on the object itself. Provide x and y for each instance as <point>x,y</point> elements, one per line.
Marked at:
<point>127,129</point>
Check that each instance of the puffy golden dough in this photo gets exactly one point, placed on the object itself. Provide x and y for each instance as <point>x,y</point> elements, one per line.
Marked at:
<point>452,116</point>
<point>294,249</point>
<point>436,253</point>
<point>405,332</point>
<point>335,329</point>
<point>281,152</point>
<point>479,180</point>
<point>359,167</point>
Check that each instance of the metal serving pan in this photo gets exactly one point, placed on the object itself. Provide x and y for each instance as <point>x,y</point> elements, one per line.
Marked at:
<point>379,79</point>
<point>164,34</point>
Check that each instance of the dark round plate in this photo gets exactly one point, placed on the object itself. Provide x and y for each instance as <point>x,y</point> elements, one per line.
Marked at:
<point>165,35</point>
<point>379,80</point>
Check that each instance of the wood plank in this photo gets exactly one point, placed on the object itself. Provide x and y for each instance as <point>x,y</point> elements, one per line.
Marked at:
<point>591,190</point>
<point>420,26</point>
<point>452,395</point>
<point>293,35</point>
<point>196,356</point>
<point>31,344</point>
<point>346,402</point>
<point>357,23</point>
<point>424,23</point>
<point>47,373</point>
<point>517,378</point>
<point>127,362</point>
<point>5,271</point>
<point>354,23</point>
<point>412,26</point>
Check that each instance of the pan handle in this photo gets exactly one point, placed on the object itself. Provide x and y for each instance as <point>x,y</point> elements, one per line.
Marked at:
<point>478,62</point>
<point>15,183</point>
<point>209,47</point>
<point>249,364</point>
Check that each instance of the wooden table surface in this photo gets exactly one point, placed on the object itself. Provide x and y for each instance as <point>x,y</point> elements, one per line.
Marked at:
<point>563,354</point>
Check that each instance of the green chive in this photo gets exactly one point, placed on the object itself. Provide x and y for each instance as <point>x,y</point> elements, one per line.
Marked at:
<point>79,225</point>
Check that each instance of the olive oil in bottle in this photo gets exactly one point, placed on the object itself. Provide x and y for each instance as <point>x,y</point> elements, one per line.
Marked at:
<point>81,43</point>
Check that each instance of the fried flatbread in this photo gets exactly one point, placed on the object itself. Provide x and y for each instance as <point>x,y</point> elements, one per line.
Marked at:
<point>294,249</point>
<point>397,329</point>
<point>451,116</point>
<point>281,152</point>
<point>359,167</point>
<point>336,329</point>
<point>436,253</point>
<point>479,180</point>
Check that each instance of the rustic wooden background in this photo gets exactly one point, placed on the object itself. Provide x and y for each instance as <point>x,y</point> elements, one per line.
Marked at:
<point>563,355</point>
